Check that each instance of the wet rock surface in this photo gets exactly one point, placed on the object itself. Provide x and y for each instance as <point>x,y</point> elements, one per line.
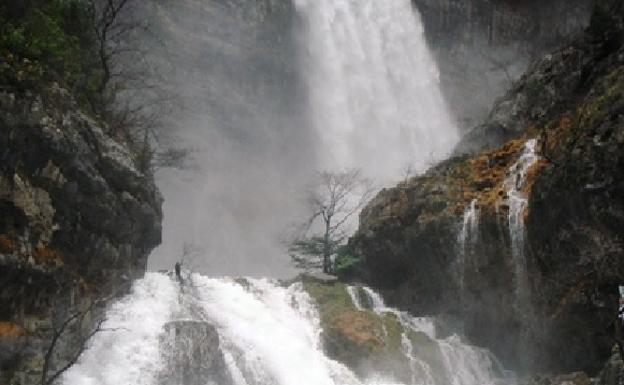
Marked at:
<point>193,356</point>
<point>482,46</point>
<point>571,261</point>
<point>77,222</point>
<point>362,340</point>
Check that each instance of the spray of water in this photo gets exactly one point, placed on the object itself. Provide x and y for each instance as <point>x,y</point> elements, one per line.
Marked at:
<point>373,87</point>
<point>518,202</point>
<point>269,335</point>
<point>273,91</point>
<point>467,238</point>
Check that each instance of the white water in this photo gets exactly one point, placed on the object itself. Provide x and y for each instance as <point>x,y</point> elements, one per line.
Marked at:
<point>375,99</point>
<point>269,334</point>
<point>518,202</point>
<point>450,362</point>
<point>467,237</point>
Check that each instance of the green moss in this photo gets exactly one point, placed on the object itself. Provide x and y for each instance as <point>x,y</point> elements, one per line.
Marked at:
<point>394,331</point>
<point>330,298</point>
<point>357,338</point>
<point>345,264</point>
<point>429,351</point>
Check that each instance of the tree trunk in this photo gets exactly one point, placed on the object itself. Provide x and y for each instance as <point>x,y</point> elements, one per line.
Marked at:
<point>327,248</point>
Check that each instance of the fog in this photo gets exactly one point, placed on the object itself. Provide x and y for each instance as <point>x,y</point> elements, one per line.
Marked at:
<point>232,72</point>
<point>271,92</point>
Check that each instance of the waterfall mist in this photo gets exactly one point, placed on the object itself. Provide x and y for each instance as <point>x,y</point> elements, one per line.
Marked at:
<point>231,67</point>
<point>274,91</point>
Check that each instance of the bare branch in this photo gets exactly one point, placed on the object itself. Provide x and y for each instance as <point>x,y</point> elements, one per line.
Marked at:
<point>338,197</point>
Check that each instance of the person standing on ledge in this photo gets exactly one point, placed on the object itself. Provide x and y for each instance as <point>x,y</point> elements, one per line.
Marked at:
<point>178,273</point>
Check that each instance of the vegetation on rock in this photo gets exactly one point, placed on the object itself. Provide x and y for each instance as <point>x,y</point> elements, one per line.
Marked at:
<point>571,101</point>
<point>361,339</point>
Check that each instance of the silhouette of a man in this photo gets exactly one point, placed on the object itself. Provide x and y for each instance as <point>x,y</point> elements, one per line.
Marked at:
<point>178,273</point>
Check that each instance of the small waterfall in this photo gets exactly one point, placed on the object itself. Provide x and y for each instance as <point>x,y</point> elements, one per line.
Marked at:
<point>353,293</point>
<point>438,361</point>
<point>268,335</point>
<point>375,99</point>
<point>518,202</point>
<point>467,238</point>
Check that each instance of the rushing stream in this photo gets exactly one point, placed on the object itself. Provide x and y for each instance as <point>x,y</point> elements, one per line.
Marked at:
<point>269,335</point>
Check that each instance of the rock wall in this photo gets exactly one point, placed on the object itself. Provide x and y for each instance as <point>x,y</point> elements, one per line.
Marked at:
<point>482,46</point>
<point>528,280</point>
<point>77,222</point>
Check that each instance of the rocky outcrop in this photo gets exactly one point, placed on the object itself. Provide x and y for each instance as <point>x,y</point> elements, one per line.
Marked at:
<point>359,338</point>
<point>551,85</point>
<point>77,222</point>
<point>482,46</point>
<point>525,254</point>
<point>192,354</point>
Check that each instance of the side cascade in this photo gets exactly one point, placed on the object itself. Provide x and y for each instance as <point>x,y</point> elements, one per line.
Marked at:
<point>517,200</point>
<point>251,332</point>
<point>439,361</point>
<point>466,238</point>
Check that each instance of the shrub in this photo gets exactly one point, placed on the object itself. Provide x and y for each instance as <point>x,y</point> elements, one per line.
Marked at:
<point>345,265</point>
<point>47,40</point>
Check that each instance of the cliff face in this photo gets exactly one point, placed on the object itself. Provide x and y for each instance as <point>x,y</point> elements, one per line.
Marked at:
<point>77,221</point>
<point>521,242</point>
<point>482,46</point>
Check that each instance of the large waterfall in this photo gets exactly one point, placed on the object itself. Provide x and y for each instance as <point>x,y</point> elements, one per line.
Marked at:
<point>373,87</point>
<point>269,335</point>
<point>371,100</point>
<point>274,91</point>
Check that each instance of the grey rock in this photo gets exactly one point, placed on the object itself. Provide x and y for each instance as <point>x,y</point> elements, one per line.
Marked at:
<point>192,355</point>
<point>75,215</point>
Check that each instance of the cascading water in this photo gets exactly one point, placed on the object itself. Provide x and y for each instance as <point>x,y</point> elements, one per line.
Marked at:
<point>467,237</point>
<point>375,102</point>
<point>517,202</point>
<point>450,362</point>
<point>269,335</point>
<point>374,87</point>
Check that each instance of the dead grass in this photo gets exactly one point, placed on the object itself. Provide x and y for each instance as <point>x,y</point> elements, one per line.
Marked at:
<point>10,330</point>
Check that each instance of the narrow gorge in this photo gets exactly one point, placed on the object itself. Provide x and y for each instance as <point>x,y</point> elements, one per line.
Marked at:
<point>159,160</point>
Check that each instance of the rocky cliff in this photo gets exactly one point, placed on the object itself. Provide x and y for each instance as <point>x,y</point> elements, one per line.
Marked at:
<point>77,222</point>
<point>520,243</point>
<point>482,46</point>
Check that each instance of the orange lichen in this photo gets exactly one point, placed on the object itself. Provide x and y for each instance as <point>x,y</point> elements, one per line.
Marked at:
<point>10,330</point>
<point>46,256</point>
<point>357,328</point>
<point>7,245</point>
<point>487,172</point>
<point>556,134</point>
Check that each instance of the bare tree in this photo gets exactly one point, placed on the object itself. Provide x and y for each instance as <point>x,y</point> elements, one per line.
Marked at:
<point>73,323</point>
<point>408,171</point>
<point>109,30</point>
<point>191,255</point>
<point>338,197</point>
<point>131,94</point>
